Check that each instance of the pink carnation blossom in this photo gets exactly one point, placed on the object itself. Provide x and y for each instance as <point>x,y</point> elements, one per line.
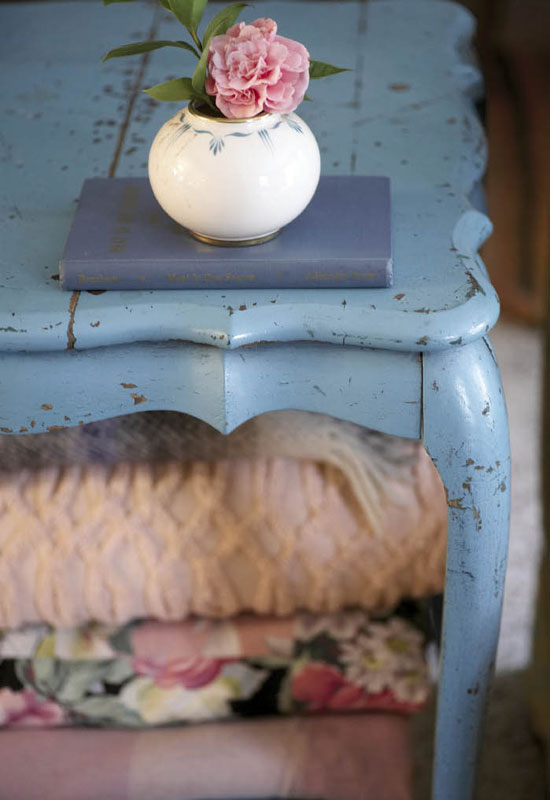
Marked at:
<point>191,673</point>
<point>322,687</point>
<point>252,69</point>
<point>25,709</point>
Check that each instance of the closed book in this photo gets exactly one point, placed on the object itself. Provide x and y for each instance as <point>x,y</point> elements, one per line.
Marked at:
<point>122,239</point>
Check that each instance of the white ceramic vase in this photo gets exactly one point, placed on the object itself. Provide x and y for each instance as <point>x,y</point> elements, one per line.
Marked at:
<point>234,182</point>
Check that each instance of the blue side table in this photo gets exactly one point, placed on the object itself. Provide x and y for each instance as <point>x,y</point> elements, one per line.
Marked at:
<point>414,360</point>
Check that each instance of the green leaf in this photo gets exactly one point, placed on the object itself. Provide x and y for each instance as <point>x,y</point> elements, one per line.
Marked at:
<point>109,2</point>
<point>146,47</point>
<point>117,670</point>
<point>182,11</point>
<point>223,20</point>
<point>188,47</point>
<point>165,4</point>
<point>199,75</point>
<point>121,638</point>
<point>318,69</point>
<point>308,98</point>
<point>197,12</point>
<point>189,12</point>
<point>107,710</point>
<point>177,89</point>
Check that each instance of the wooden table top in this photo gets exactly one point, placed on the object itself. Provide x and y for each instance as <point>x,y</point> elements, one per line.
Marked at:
<point>405,111</point>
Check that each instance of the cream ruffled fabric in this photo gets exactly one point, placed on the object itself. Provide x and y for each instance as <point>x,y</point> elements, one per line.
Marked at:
<point>366,457</point>
<point>166,540</point>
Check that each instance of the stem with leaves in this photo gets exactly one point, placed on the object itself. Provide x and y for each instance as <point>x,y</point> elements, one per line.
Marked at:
<point>190,14</point>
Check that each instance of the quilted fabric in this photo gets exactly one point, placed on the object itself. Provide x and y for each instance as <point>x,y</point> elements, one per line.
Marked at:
<point>166,540</point>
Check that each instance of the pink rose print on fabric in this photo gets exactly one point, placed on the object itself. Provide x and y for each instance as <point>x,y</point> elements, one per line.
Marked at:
<point>25,709</point>
<point>322,687</point>
<point>252,69</point>
<point>191,673</point>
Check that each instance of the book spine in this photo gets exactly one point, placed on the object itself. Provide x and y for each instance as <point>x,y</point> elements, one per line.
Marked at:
<point>375,274</point>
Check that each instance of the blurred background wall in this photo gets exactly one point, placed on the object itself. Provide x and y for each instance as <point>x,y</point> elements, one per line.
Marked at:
<point>514,46</point>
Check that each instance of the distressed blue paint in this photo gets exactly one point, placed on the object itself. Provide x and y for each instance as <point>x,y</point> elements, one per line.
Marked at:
<point>54,92</point>
<point>410,360</point>
<point>224,388</point>
<point>473,459</point>
<point>365,121</point>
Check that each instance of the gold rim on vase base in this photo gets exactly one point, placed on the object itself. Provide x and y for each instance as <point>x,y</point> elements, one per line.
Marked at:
<point>234,242</point>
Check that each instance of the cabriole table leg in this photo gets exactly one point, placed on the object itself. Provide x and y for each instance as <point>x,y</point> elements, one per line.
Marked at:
<point>466,434</point>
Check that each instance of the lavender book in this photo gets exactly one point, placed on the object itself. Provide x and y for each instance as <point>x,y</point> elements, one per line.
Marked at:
<point>121,239</point>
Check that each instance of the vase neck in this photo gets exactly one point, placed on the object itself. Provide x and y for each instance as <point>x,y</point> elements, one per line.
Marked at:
<point>195,117</point>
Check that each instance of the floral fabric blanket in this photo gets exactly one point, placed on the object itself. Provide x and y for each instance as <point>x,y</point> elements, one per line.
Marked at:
<point>151,673</point>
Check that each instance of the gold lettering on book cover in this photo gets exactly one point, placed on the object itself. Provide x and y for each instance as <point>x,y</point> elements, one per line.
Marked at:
<point>95,278</point>
<point>326,276</point>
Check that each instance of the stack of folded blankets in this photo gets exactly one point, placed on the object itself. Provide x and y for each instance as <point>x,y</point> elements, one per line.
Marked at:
<point>154,574</point>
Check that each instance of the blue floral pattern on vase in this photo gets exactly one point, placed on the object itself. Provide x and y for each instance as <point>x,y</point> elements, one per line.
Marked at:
<point>217,143</point>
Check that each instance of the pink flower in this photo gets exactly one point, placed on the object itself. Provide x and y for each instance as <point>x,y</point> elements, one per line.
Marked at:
<point>251,69</point>
<point>24,709</point>
<point>323,687</point>
<point>191,673</point>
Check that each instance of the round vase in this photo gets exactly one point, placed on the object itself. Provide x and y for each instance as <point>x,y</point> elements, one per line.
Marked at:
<point>234,182</point>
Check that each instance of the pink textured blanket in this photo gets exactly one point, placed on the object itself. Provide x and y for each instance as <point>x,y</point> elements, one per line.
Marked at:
<point>337,758</point>
<point>166,540</point>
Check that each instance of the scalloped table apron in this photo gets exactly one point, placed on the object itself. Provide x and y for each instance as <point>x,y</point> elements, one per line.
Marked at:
<point>413,360</point>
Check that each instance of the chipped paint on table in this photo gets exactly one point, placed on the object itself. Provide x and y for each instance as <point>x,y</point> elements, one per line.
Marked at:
<point>222,388</point>
<point>465,433</point>
<point>398,113</point>
<point>412,360</point>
